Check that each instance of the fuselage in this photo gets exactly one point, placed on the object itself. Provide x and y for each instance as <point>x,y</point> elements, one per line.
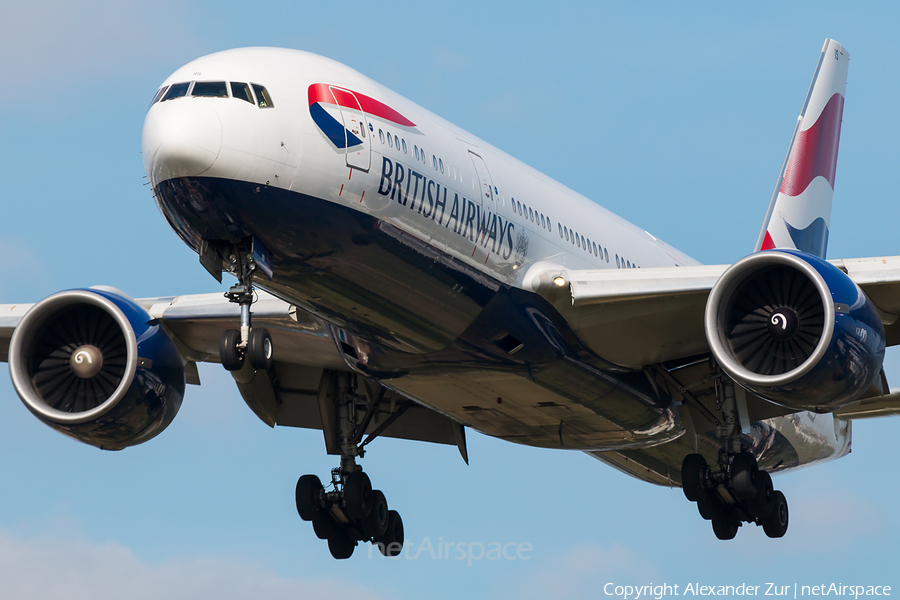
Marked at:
<point>415,241</point>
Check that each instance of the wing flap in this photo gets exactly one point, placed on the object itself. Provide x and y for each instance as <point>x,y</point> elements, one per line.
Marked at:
<point>870,408</point>
<point>599,286</point>
<point>197,322</point>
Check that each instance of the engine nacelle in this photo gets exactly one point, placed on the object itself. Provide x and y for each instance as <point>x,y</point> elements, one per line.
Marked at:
<point>94,365</point>
<point>794,329</point>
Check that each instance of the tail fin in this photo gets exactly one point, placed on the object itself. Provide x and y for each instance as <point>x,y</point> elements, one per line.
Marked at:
<point>800,210</point>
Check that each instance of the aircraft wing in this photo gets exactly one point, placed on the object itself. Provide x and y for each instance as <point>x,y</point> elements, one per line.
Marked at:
<point>640,317</point>
<point>287,395</point>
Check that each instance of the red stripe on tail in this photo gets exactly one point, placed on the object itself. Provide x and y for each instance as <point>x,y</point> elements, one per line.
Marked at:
<point>815,151</point>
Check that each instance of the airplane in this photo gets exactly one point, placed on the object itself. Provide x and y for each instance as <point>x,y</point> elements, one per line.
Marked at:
<point>397,276</point>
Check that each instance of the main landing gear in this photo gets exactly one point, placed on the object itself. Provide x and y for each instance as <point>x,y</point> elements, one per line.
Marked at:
<point>351,512</point>
<point>737,491</point>
<point>254,345</point>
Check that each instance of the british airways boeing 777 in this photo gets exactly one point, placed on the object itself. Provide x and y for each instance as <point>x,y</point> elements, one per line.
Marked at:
<point>397,276</point>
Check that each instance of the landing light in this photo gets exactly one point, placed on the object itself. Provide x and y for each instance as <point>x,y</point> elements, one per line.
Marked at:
<point>559,280</point>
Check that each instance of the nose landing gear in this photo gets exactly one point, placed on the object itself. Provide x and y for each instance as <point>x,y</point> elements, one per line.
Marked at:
<point>254,345</point>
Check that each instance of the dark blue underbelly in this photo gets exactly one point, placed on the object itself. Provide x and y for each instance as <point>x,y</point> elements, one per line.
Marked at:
<point>404,306</point>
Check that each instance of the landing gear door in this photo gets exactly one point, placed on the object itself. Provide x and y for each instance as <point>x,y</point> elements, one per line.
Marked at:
<point>488,201</point>
<point>356,129</point>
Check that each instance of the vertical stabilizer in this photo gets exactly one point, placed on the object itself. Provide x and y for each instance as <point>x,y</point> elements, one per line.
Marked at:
<point>799,213</point>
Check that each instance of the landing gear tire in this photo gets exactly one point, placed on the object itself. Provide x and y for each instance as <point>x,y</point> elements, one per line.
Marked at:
<point>391,543</point>
<point>708,507</point>
<point>307,492</point>
<point>358,495</point>
<point>776,524</point>
<point>762,504</point>
<point>229,353</point>
<point>693,469</point>
<point>341,546</point>
<point>324,526</point>
<point>744,472</point>
<point>259,348</point>
<point>725,526</point>
<point>376,524</point>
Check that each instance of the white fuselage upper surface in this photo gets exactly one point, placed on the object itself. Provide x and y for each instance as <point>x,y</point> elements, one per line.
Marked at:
<point>282,146</point>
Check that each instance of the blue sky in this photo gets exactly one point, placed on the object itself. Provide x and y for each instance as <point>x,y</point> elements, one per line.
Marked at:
<point>675,117</point>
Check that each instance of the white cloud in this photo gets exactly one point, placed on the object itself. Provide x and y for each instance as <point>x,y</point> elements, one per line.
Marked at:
<point>47,568</point>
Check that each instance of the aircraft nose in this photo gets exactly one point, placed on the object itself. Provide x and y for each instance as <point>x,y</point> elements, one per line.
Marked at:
<point>182,138</point>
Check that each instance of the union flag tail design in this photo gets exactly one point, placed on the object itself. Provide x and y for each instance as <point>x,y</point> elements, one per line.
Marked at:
<point>800,210</point>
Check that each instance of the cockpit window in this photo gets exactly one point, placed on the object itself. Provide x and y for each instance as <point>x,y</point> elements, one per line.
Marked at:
<point>262,96</point>
<point>159,94</point>
<point>210,89</point>
<point>242,91</point>
<point>176,91</point>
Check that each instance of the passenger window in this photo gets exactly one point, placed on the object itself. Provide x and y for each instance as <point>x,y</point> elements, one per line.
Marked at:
<point>617,261</point>
<point>577,241</point>
<point>434,161</point>
<point>566,229</point>
<point>416,150</point>
<point>560,229</point>
<point>531,215</point>
<point>176,91</point>
<point>159,94</point>
<point>262,96</point>
<point>606,254</point>
<point>595,248</point>
<point>404,147</point>
<point>397,142</point>
<point>242,91</point>
<point>390,140</point>
<point>441,163</point>
<point>381,135</point>
<point>582,242</point>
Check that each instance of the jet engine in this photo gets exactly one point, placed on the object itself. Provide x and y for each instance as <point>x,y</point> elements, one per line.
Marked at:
<point>93,365</point>
<point>794,329</point>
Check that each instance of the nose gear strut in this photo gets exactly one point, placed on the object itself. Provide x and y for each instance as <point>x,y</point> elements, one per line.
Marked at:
<point>248,343</point>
